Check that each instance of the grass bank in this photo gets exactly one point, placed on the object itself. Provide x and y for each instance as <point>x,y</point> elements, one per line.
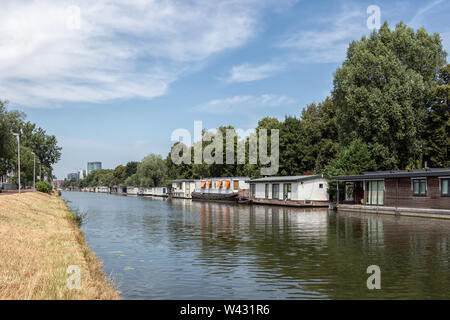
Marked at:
<point>39,240</point>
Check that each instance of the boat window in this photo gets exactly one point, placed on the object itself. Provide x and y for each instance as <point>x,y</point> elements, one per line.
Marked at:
<point>419,187</point>
<point>275,191</point>
<point>375,192</point>
<point>267,191</point>
<point>252,190</point>
<point>444,187</point>
<point>287,187</point>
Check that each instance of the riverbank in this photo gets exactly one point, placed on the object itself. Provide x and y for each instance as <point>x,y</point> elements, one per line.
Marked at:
<point>39,240</point>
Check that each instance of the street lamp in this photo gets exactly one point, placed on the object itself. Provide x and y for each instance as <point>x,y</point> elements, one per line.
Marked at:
<point>34,170</point>
<point>18,155</point>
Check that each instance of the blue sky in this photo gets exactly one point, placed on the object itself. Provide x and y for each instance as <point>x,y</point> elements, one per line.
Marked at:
<point>114,79</point>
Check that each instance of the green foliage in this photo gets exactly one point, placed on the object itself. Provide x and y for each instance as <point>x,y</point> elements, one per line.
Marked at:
<point>133,180</point>
<point>43,186</point>
<point>437,148</point>
<point>152,171</point>
<point>32,139</point>
<point>131,168</point>
<point>380,92</point>
<point>353,159</point>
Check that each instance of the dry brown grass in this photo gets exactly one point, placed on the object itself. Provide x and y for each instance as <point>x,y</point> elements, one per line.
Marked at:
<point>37,244</point>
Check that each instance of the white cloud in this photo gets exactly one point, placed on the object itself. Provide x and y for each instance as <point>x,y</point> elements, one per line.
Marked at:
<point>121,49</point>
<point>248,73</point>
<point>416,21</point>
<point>329,41</point>
<point>243,104</point>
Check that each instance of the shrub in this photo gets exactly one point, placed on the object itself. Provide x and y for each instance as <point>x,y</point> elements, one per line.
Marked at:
<point>43,186</point>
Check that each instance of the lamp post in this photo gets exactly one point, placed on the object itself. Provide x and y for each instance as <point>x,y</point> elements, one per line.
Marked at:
<point>18,155</point>
<point>34,170</point>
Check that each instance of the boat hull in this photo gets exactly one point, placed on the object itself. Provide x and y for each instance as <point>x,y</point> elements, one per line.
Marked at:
<point>232,197</point>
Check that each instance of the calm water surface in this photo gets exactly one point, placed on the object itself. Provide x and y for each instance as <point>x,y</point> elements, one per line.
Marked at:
<point>156,248</point>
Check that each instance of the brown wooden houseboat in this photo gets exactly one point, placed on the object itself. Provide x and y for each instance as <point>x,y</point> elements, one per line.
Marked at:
<point>406,192</point>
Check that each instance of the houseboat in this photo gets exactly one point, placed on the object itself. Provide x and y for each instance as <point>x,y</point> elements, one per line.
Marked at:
<point>118,190</point>
<point>182,188</point>
<point>159,192</point>
<point>220,189</point>
<point>404,192</point>
<point>305,190</point>
<point>133,191</point>
<point>102,189</point>
<point>146,191</point>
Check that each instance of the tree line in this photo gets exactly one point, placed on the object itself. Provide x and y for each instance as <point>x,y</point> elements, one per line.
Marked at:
<point>388,109</point>
<point>33,139</point>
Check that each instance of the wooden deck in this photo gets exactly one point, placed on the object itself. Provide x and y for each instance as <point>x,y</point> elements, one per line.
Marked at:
<point>400,211</point>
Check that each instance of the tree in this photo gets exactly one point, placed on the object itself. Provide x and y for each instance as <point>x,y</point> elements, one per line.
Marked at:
<point>152,171</point>
<point>10,121</point>
<point>119,175</point>
<point>353,159</point>
<point>438,123</point>
<point>131,168</point>
<point>380,92</point>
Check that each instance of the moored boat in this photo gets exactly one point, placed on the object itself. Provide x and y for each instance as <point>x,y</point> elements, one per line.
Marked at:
<point>232,196</point>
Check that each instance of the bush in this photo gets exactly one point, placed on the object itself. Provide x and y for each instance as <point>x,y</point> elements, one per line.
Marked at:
<point>43,186</point>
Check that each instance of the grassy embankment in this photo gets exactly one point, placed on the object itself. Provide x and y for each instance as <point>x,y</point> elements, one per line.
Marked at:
<point>39,239</point>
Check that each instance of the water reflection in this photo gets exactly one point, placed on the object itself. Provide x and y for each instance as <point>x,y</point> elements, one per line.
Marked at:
<point>181,249</point>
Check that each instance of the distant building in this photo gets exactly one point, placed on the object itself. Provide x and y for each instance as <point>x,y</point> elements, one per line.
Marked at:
<point>91,166</point>
<point>73,175</point>
<point>81,173</point>
<point>58,183</point>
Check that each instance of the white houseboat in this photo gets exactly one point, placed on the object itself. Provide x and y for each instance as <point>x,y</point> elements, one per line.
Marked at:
<point>306,190</point>
<point>132,191</point>
<point>160,191</point>
<point>102,189</point>
<point>182,188</point>
<point>146,191</point>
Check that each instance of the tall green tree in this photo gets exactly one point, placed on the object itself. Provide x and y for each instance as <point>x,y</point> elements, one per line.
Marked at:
<point>152,171</point>
<point>380,92</point>
<point>352,159</point>
<point>437,148</point>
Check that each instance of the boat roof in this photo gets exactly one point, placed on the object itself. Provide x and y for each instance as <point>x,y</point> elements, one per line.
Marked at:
<point>183,180</point>
<point>224,178</point>
<point>428,172</point>
<point>287,178</point>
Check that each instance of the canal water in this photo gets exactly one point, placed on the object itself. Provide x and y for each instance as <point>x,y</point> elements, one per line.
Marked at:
<point>155,248</point>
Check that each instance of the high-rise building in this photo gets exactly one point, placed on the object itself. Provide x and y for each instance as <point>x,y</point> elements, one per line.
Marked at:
<point>91,166</point>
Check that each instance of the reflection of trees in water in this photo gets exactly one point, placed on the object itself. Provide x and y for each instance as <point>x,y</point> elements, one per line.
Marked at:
<point>315,250</point>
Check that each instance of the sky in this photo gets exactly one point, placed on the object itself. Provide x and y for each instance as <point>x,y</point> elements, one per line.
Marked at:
<point>113,79</point>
